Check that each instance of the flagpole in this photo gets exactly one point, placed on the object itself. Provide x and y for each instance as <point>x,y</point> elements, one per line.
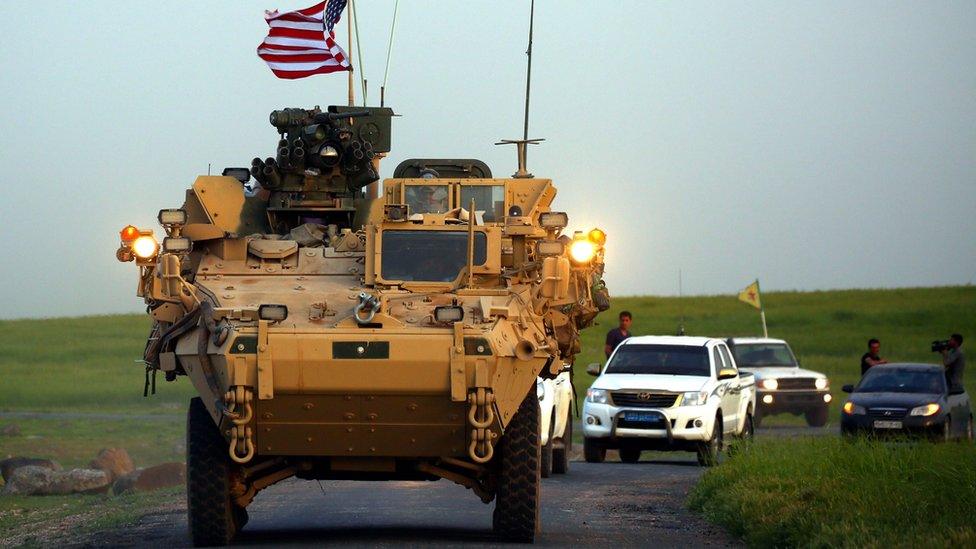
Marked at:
<point>762,309</point>
<point>352,89</point>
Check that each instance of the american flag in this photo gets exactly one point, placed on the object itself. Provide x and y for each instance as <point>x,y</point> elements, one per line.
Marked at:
<point>301,43</point>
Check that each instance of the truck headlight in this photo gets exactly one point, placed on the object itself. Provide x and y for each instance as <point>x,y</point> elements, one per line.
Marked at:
<point>598,396</point>
<point>926,411</point>
<point>145,247</point>
<point>582,251</point>
<point>769,384</point>
<point>852,409</point>
<point>821,383</point>
<point>694,398</point>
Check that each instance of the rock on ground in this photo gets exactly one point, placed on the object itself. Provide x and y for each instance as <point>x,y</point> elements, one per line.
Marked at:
<point>9,465</point>
<point>32,480</point>
<point>151,478</point>
<point>114,461</point>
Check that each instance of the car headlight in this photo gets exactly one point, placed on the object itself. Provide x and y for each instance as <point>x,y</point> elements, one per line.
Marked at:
<point>927,410</point>
<point>852,409</point>
<point>598,396</point>
<point>821,383</point>
<point>769,384</point>
<point>694,398</point>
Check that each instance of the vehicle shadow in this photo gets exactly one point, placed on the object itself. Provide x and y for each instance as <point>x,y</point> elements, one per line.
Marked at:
<point>365,536</point>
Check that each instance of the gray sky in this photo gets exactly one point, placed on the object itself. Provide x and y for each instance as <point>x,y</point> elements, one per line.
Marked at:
<point>815,144</point>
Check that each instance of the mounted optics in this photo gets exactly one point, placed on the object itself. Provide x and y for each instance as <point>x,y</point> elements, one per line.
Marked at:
<point>173,245</point>
<point>273,313</point>
<point>553,220</point>
<point>172,216</point>
<point>448,313</point>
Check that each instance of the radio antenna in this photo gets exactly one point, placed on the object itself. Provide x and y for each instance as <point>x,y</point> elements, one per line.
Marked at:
<point>521,144</point>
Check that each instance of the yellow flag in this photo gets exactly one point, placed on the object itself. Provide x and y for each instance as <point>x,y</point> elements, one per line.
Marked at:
<point>750,295</point>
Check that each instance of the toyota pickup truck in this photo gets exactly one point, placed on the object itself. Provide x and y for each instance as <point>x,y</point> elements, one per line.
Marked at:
<point>783,387</point>
<point>667,393</point>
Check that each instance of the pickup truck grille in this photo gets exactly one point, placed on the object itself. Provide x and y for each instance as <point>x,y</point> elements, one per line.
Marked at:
<point>643,399</point>
<point>797,384</point>
<point>887,413</point>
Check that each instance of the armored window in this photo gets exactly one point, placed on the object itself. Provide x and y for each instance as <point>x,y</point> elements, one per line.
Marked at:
<point>423,199</point>
<point>428,256</point>
<point>488,198</point>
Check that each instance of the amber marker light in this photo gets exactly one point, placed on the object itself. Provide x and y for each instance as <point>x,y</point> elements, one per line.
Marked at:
<point>848,407</point>
<point>597,237</point>
<point>129,233</point>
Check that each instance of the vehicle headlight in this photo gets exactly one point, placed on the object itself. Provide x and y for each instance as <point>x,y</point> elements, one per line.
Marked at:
<point>145,247</point>
<point>927,410</point>
<point>770,384</point>
<point>694,398</point>
<point>852,409</point>
<point>582,251</point>
<point>821,383</point>
<point>598,396</point>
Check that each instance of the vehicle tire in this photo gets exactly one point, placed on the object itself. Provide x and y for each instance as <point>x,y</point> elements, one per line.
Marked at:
<point>817,417</point>
<point>212,517</point>
<point>593,452</point>
<point>630,455</point>
<point>969,430</point>
<point>757,418</point>
<point>545,455</point>
<point>516,516</point>
<point>709,451</point>
<point>560,455</point>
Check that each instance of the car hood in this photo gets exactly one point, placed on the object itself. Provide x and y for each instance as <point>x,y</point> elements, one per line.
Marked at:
<point>894,400</point>
<point>779,372</point>
<point>675,384</point>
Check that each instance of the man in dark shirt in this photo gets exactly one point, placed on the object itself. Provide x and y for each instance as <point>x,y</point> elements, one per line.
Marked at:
<point>872,357</point>
<point>955,364</point>
<point>617,335</point>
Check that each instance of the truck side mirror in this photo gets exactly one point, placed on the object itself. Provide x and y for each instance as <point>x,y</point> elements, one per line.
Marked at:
<point>727,373</point>
<point>593,369</point>
<point>847,388</point>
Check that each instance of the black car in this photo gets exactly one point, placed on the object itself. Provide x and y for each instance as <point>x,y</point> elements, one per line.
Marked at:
<point>906,399</point>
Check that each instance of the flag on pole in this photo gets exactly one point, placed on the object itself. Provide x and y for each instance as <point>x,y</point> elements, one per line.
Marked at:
<point>301,43</point>
<point>750,295</point>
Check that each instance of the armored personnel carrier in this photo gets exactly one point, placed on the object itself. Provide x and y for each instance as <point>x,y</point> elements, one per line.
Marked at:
<point>333,332</point>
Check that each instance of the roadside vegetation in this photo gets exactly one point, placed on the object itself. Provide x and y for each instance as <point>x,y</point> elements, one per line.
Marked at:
<point>829,492</point>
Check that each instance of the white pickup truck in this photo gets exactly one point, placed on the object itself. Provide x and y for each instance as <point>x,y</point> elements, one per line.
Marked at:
<point>667,393</point>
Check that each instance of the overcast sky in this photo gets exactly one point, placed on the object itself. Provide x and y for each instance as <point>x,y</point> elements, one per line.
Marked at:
<point>814,145</point>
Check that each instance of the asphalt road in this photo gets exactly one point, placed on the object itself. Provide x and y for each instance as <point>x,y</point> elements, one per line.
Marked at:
<point>609,504</point>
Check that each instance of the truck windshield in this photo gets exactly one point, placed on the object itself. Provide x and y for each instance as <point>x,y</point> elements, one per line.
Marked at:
<point>428,256</point>
<point>676,360</point>
<point>760,355</point>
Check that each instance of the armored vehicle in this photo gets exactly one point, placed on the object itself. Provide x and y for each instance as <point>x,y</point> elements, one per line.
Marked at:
<point>335,332</point>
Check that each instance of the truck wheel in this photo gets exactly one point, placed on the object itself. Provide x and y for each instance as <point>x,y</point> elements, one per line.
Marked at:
<point>817,417</point>
<point>593,452</point>
<point>516,516</point>
<point>211,515</point>
<point>757,418</point>
<point>709,450</point>
<point>748,428</point>
<point>560,455</point>
<point>630,455</point>
<point>545,455</point>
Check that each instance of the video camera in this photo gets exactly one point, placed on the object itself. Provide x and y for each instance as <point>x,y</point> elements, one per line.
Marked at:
<point>939,346</point>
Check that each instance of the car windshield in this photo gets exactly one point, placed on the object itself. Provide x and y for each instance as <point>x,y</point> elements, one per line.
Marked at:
<point>677,360</point>
<point>760,355</point>
<point>890,380</point>
<point>428,256</point>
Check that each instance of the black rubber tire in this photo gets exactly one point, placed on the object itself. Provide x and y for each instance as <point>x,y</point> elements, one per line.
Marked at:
<point>545,454</point>
<point>593,452</point>
<point>516,515</point>
<point>817,417</point>
<point>630,455</point>
<point>709,451</point>
<point>748,428</point>
<point>560,455</point>
<point>211,516</point>
<point>757,418</point>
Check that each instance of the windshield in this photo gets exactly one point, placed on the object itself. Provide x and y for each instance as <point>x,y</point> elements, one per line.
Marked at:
<point>426,198</point>
<point>759,355</point>
<point>488,198</point>
<point>888,380</point>
<point>428,256</point>
<point>677,360</point>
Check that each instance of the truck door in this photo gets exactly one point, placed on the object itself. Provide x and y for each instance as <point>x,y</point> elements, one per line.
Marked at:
<point>728,389</point>
<point>735,389</point>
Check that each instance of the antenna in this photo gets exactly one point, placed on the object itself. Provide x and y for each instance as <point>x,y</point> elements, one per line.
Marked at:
<point>521,144</point>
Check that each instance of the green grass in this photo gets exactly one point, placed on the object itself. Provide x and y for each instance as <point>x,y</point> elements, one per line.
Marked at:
<point>827,330</point>
<point>826,492</point>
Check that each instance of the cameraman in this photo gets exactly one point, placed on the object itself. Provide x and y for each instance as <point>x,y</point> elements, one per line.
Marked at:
<point>954,362</point>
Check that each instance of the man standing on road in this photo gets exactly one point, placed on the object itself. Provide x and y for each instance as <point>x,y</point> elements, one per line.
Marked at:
<point>955,363</point>
<point>617,335</point>
<point>872,357</point>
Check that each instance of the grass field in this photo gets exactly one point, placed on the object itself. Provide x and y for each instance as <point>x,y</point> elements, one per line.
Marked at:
<point>828,492</point>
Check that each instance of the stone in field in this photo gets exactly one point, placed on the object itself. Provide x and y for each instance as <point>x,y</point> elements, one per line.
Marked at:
<point>32,480</point>
<point>114,461</point>
<point>151,478</point>
<point>9,465</point>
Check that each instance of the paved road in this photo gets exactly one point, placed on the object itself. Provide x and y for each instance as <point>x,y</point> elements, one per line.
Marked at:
<point>612,504</point>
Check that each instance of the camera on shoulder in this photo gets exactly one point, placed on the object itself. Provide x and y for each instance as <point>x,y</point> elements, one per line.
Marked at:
<point>939,346</point>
